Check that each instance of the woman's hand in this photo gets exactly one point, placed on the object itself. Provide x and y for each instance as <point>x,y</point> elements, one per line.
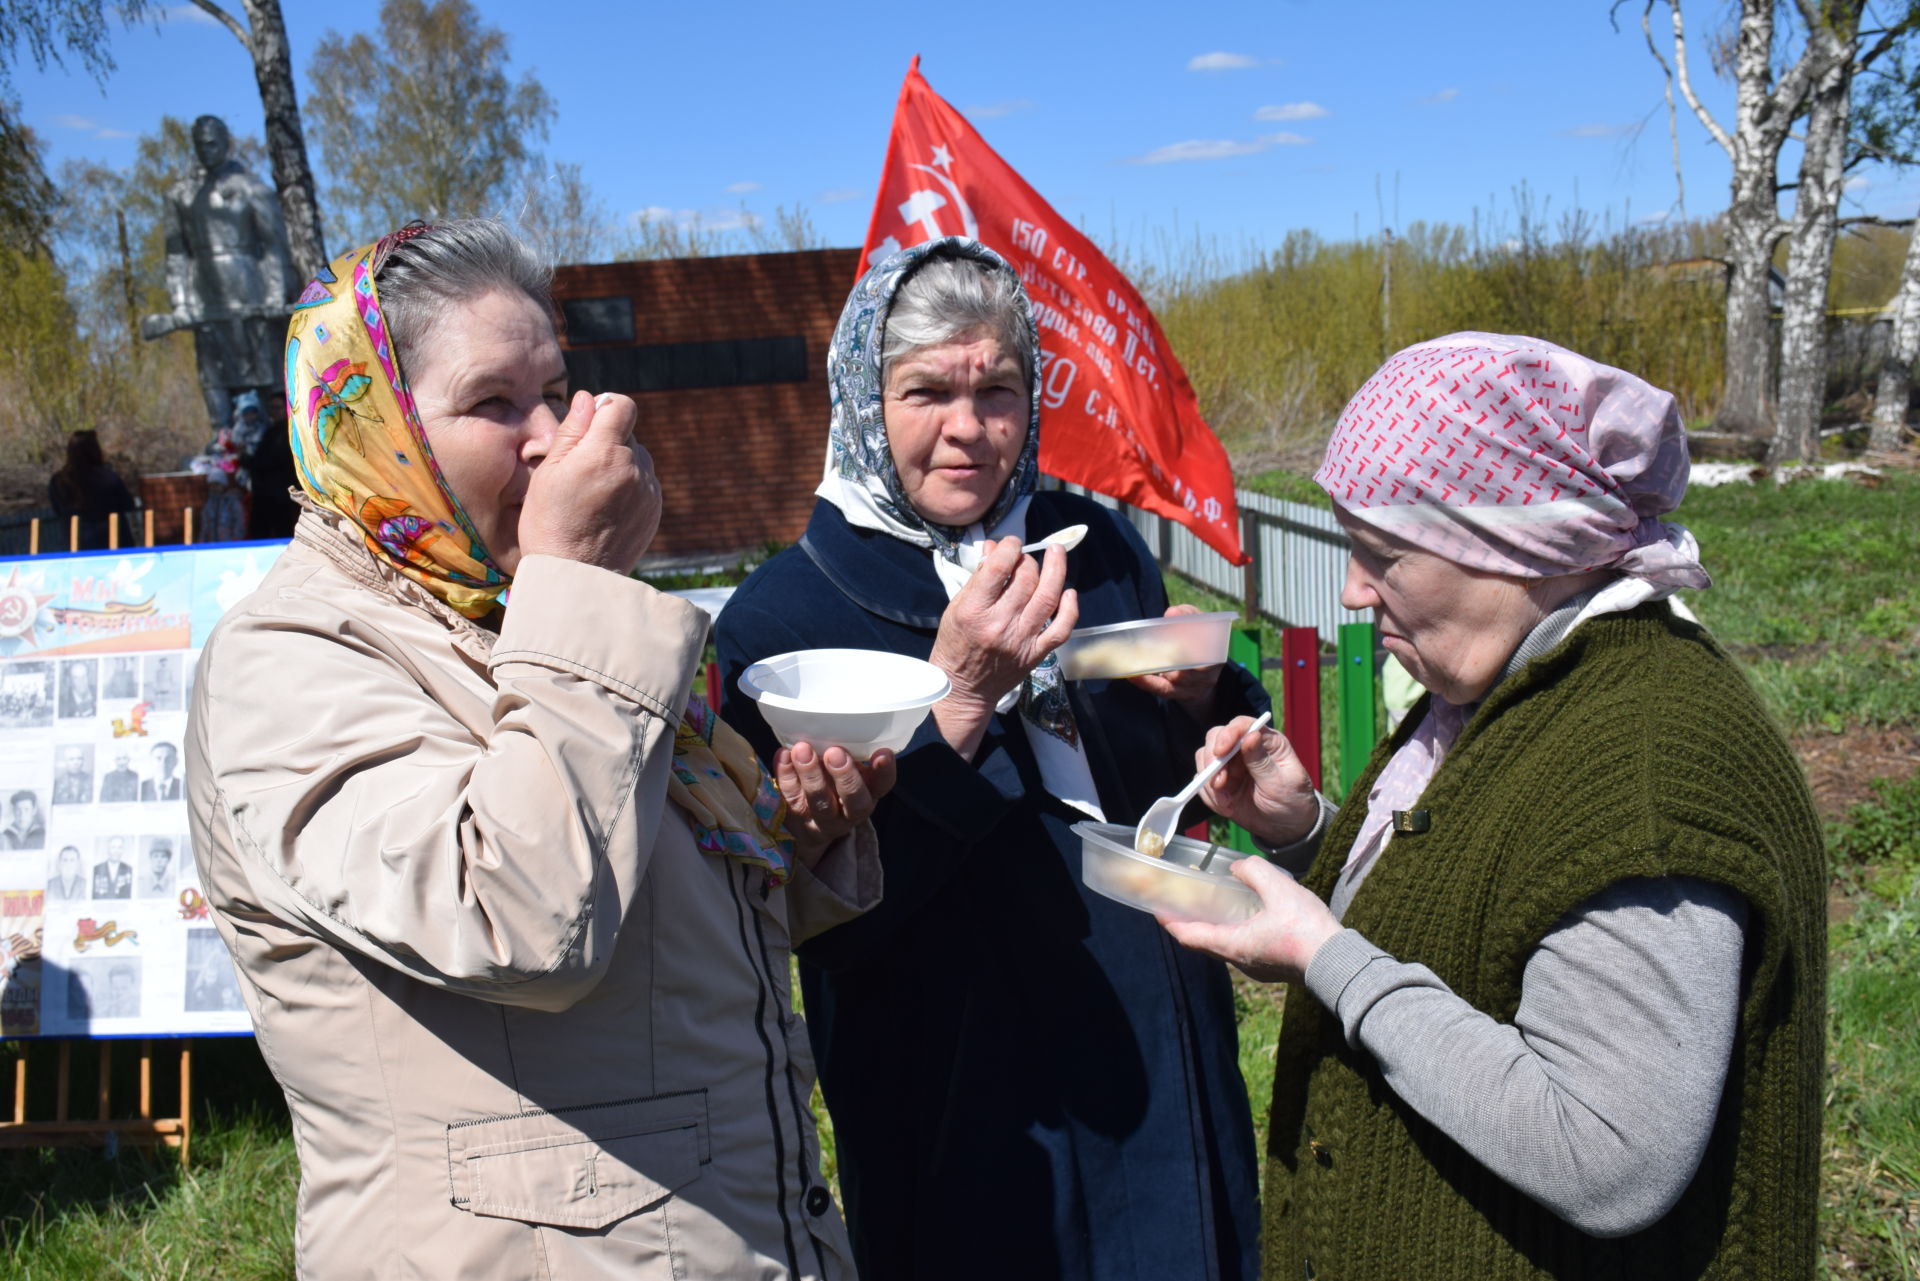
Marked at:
<point>594,497</point>
<point>828,794</point>
<point>1011,614</point>
<point>1192,688</point>
<point>1275,944</point>
<point>1264,789</point>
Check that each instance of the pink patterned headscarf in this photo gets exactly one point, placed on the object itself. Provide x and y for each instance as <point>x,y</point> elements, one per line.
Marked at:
<point>1516,456</point>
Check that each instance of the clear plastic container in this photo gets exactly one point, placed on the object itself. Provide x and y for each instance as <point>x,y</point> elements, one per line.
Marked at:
<point>1172,884</point>
<point>1149,645</point>
<point>859,699</point>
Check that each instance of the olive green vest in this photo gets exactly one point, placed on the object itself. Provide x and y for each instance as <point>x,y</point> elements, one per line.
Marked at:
<point>1634,748</point>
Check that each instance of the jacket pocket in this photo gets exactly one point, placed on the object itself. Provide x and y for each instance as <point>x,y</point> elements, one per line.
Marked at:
<point>581,1167</point>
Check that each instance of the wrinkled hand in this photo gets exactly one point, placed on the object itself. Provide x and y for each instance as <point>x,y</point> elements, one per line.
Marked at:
<point>1275,944</point>
<point>1011,614</point>
<point>1264,789</point>
<point>828,794</point>
<point>1192,688</point>
<point>594,497</point>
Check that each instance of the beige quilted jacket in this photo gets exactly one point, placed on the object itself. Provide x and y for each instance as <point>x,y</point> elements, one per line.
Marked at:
<point>526,1028</point>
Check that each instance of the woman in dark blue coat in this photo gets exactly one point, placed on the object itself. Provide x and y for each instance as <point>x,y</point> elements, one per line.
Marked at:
<point>1026,1079</point>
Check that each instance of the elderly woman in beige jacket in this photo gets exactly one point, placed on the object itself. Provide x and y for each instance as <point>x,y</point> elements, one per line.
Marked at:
<point>512,926</point>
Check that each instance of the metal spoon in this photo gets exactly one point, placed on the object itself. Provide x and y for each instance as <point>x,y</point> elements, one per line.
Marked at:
<point>1156,825</point>
<point>1066,539</point>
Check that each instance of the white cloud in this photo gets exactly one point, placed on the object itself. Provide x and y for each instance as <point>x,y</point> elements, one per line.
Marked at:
<point>995,110</point>
<point>1858,183</point>
<point>1216,148</point>
<point>84,125</point>
<point>1657,216</point>
<point>1596,131</point>
<point>1221,62</point>
<point>1434,100</point>
<point>742,188</point>
<point>1291,111</point>
<point>189,13</point>
<point>689,219</point>
<point>840,195</point>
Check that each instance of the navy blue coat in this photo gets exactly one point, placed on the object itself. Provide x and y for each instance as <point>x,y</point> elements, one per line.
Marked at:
<point>1026,1079</point>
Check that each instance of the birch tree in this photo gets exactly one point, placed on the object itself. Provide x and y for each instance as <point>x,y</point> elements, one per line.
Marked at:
<point>1887,129</point>
<point>1836,141</point>
<point>1833,37</point>
<point>1765,107</point>
<point>1895,389</point>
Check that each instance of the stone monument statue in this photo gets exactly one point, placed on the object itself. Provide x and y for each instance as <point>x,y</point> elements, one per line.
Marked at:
<point>229,274</point>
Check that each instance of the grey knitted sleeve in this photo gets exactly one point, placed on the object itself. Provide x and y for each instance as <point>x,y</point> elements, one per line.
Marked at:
<point>1598,1100</point>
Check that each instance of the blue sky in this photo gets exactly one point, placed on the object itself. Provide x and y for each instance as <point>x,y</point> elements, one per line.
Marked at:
<point>1139,121</point>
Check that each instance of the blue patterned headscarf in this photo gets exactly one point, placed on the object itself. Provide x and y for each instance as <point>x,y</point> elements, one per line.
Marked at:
<point>860,476</point>
<point>862,481</point>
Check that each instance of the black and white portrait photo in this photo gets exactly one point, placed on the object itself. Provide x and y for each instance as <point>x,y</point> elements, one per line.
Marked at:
<point>73,774</point>
<point>79,688</point>
<point>162,682</point>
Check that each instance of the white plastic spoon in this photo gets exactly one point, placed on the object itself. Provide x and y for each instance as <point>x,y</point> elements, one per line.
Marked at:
<point>1066,539</point>
<point>1156,825</point>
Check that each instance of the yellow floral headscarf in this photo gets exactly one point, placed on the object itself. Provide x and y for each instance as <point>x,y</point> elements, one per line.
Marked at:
<point>358,446</point>
<point>360,451</point>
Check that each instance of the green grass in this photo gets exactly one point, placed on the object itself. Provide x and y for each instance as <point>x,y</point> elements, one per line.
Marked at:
<point>1871,1189</point>
<point>72,1213</point>
<point>1817,592</point>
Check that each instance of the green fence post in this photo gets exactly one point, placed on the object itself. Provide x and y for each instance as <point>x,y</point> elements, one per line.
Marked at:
<point>1243,647</point>
<point>1358,728</point>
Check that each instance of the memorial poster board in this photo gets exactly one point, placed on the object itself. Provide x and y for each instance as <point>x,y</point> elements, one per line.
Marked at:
<point>104,928</point>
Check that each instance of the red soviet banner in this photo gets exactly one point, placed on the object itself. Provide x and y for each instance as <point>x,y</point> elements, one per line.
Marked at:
<point>1117,412</point>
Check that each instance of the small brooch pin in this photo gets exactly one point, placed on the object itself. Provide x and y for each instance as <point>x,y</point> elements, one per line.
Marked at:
<point>1411,820</point>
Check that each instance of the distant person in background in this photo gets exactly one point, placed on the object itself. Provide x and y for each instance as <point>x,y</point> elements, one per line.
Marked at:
<point>271,511</point>
<point>86,487</point>
<point>28,828</point>
<point>69,883</point>
<point>165,783</point>
<point>119,783</point>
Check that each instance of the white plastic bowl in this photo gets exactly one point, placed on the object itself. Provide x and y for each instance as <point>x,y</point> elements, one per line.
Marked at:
<point>859,699</point>
<point>1148,645</point>
<point>1172,884</point>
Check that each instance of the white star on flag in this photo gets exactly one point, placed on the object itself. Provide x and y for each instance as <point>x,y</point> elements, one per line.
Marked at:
<point>942,158</point>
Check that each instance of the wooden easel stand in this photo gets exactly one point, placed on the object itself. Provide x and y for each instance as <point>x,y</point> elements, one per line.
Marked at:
<point>104,1130</point>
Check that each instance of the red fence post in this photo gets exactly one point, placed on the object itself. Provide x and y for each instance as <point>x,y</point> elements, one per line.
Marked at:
<point>713,687</point>
<point>1300,695</point>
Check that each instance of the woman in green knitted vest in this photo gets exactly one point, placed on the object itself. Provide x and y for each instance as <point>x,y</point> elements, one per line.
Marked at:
<point>1557,984</point>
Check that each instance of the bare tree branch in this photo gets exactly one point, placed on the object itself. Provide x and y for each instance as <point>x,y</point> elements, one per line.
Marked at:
<point>226,20</point>
<point>1711,125</point>
<point>1673,119</point>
